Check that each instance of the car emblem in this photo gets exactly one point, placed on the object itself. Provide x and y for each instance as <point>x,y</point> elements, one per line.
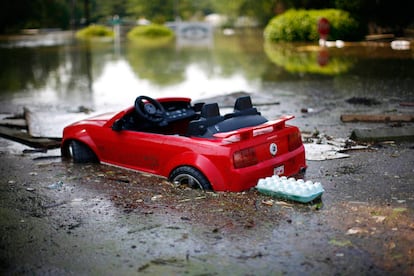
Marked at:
<point>273,149</point>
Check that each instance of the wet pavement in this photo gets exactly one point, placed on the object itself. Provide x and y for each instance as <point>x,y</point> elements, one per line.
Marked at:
<point>64,218</point>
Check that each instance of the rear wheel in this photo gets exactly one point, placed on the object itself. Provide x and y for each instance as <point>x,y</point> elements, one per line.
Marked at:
<point>81,153</point>
<point>191,177</point>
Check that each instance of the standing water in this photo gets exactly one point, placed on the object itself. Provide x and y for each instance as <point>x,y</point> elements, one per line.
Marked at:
<point>57,71</point>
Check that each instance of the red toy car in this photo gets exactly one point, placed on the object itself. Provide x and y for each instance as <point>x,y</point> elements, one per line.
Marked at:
<point>190,144</point>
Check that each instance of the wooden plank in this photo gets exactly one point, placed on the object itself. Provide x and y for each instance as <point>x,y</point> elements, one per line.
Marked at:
<point>23,137</point>
<point>383,134</point>
<point>374,118</point>
<point>19,123</point>
<point>379,37</point>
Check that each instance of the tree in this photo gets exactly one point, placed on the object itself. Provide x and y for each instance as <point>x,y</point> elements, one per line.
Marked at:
<point>155,10</point>
<point>380,15</point>
<point>18,14</point>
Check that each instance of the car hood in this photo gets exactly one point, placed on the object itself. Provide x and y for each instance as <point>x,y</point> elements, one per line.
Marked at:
<point>98,120</point>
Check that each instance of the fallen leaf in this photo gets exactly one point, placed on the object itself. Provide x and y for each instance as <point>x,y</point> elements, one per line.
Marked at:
<point>283,203</point>
<point>379,219</point>
<point>355,230</point>
<point>340,243</point>
<point>268,202</point>
<point>156,197</point>
<point>391,245</point>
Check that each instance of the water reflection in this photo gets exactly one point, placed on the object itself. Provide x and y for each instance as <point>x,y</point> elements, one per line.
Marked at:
<point>110,75</point>
<point>308,59</point>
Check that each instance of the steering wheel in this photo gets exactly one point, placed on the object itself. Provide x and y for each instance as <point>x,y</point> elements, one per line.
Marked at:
<point>150,109</point>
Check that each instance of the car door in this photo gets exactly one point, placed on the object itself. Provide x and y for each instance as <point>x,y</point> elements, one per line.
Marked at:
<point>132,149</point>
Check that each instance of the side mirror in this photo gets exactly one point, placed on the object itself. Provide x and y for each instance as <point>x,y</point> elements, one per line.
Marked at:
<point>118,125</point>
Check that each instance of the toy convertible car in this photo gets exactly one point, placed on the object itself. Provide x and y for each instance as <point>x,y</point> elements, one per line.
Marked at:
<point>190,144</point>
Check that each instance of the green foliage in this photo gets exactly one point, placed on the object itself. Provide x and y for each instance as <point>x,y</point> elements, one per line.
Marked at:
<point>301,25</point>
<point>150,31</point>
<point>153,35</point>
<point>95,31</point>
<point>155,10</point>
<point>15,15</point>
<point>304,60</point>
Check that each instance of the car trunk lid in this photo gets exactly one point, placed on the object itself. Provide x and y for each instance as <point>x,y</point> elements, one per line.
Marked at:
<point>261,143</point>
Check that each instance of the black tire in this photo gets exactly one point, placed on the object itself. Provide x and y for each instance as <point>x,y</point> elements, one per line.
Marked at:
<point>191,177</point>
<point>81,153</point>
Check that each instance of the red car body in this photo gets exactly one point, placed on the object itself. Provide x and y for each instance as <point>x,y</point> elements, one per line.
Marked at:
<point>231,160</point>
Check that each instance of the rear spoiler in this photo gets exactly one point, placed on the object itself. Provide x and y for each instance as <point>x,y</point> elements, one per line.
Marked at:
<point>249,132</point>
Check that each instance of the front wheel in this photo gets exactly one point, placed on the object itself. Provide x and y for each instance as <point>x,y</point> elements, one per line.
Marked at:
<point>191,177</point>
<point>81,153</point>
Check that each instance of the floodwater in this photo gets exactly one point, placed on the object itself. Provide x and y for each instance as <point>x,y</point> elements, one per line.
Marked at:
<point>105,220</point>
<point>57,71</point>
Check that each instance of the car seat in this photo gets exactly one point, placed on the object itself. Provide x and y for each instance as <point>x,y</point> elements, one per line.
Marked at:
<point>243,106</point>
<point>209,116</point>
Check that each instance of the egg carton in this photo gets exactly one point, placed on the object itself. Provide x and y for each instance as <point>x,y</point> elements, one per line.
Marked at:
<point>290,188</point>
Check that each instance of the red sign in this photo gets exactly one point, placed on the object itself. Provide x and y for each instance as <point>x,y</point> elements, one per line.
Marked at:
<point>323,28</point>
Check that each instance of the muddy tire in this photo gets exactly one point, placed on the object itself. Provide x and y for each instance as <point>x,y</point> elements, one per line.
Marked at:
<point>191,177</point>
<point>81,153</point>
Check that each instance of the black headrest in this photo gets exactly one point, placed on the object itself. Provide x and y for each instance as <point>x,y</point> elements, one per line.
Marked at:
<point>210,110</point>
<point>243,103</point>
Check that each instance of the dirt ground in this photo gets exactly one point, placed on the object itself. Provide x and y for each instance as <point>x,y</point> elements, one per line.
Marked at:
<point>60,218</point>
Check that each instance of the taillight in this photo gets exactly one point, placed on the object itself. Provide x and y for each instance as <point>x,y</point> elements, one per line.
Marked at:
<point>294,141</point>
<point>244,158</point>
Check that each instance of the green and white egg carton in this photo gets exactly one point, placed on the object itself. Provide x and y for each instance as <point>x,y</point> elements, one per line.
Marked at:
<point>290,188</point>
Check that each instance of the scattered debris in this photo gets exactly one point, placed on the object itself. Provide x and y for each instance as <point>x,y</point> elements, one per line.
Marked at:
<point>47,124</point>
<point>320,152</point>
<point>190,199</point>
<point>252,256</point>
<point>84,109</point>
<point>40,150</point>
<point>268,202</point>
<point>39,129</point>
<point>400,44</point>
<point>379,219</point>
<point>408,104</point>
<point>363,101</point>
<point>383,134</point>
<point>52,205</point>
<point>56,186</point>
<point>312,111</point>
<point>15,122</point>
<point>355,230</point>
<point>319,147</point>
<point>23,137</point>
<point>156,197</point>
<point>342,243</point>
<point>307,110</point>
<point>374,118</point>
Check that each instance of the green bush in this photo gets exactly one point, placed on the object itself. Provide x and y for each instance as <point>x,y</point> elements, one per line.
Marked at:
<point>150,31</point>
<point>153,35</point>
<point>302,25</point>
<point>95,31</point>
